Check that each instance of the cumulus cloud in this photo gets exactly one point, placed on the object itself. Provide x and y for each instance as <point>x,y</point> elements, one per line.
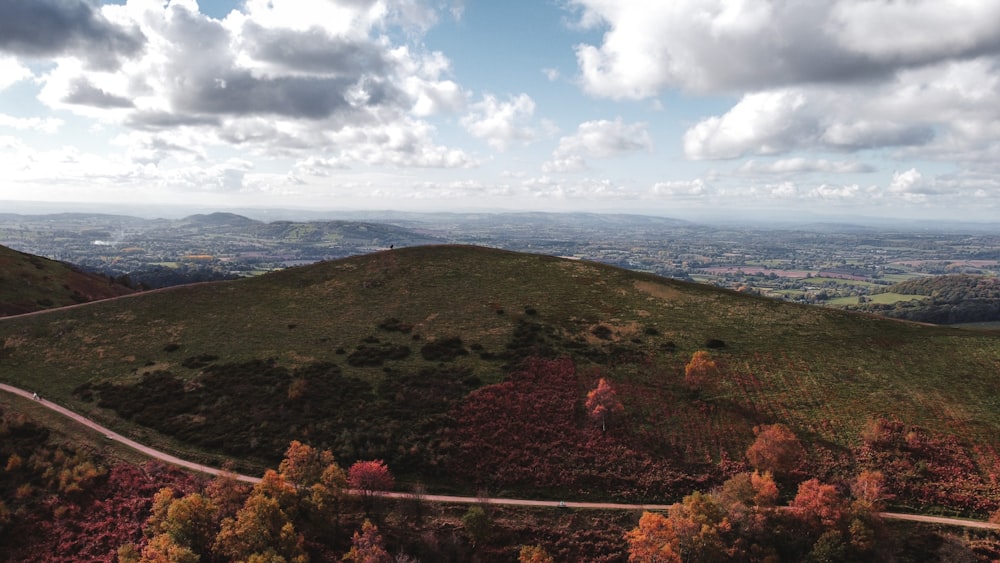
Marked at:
<point>52,28</point>
<point>953,107</point>
<point>682,188</point>
<point>598,139</point>
<point>45,125</point>
<point>12,72</point>
<point>800,165</point>
<point>270,77</point>
<point>726,46</point>
<point>501,123</point>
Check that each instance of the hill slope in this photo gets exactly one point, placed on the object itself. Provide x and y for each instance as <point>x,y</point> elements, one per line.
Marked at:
<point>31,283</point>
<point>414,356</point>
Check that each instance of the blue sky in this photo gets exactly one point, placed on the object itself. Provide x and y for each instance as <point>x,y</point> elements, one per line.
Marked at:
<point>687,108</point>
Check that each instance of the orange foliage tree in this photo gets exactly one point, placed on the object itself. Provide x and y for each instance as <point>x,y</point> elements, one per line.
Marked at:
<point>303,465</point>
<point>602,403</point>
<point>534,554</point>
<point>819,504</point>
<point>653,540</point>
<point>700,370</point>
<point>869,490</point>
<point>776,449</point>
<point>367,546</point>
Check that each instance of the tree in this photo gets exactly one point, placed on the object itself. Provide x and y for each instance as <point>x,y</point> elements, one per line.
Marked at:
<point>303,465</point>
<point>819,504</point>
<point>602,403</point>
<point>700,370</point>
<point>227,493</point>
<point>367,546</point>
<point>476,523</point>
<point>750,489</point>
<point>765,490</point>
<point>369,478</point>
<point>326,497</point>
<point>776,449</point>
<point>869,490</point>
<point>189,522</point>
<point>653,540</point>
<point>534,554</point>
<point>260,528</point>
<point>165,549</point>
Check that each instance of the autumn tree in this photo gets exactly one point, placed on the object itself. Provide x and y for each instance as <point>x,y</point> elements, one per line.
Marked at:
<point>534,554</point>
<point>303,465</point>
<point>367,546</point>
<point>163,548</point>
<point>776,449</point>
<point>869,490</point>
<point>326,497</point>
<point>750,489</point>
<point>700,370</point>
<point>262,528</point>
<point>369,479</point>
<point>819,504</point>
<point>227,493</point>
<point>190,521</point>
<point>653,540</point>
<point>602,403</point>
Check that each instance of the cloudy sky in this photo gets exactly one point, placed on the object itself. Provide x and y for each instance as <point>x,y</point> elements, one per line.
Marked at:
<point>874,108</point>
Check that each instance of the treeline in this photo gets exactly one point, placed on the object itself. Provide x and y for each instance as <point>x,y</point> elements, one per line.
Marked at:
<point>950,299</point>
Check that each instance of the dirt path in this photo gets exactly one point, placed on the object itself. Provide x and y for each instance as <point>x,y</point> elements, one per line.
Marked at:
<point>156,454</point>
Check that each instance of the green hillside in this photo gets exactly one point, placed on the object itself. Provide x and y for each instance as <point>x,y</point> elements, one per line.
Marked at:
<point>31,283</point>
<point>396,354</point>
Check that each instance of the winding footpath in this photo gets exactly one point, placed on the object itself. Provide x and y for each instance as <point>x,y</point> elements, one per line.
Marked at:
<point>156,454</point>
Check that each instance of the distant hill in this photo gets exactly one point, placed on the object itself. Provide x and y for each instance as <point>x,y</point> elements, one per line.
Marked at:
<point>946,299</point>
<point>468,368</point>
<point>31,283</point>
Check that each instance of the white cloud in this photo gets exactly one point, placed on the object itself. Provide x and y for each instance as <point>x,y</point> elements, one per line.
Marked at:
<point>739,45</point>
<point>45,125</point>
<point>801,165</point>
<point>275,79</point>
<point>762,123</point>
<point>12,72</point>
<point>598,139</point>
<point>682,188</point>
<point>502,123</point>
<point>951,109</point>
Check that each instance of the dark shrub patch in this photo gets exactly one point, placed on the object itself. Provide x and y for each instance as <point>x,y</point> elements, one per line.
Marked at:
<point>530,311</point>
<point>714,344</point>
<point>602,332</point>
<point>172,347</point>
<point>200,361</point>
<point>444,350</point>
<point>393,324</point>
<point>366,355</point>
<point>651,331</point>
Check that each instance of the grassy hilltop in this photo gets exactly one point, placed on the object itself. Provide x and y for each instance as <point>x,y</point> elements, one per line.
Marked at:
<point>415,356</point>
<point>32,283</point>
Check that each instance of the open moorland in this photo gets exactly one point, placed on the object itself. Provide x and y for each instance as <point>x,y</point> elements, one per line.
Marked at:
<point>470,370</point>
<point>31,283</point>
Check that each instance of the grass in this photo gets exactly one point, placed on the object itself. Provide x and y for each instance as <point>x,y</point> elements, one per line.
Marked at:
<point>824,372</point>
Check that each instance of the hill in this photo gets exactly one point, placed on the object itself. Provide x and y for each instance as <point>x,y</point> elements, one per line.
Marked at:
<point>32,283</point>
<point>468,368</point>
<point>945,299</point>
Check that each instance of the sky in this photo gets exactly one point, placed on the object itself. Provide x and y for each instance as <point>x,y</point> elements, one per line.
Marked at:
<point>681,108</point>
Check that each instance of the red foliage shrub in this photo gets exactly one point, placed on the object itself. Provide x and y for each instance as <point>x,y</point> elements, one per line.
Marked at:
<point>922,468</point>
<point>530,431</point>
<point>92,524</point>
